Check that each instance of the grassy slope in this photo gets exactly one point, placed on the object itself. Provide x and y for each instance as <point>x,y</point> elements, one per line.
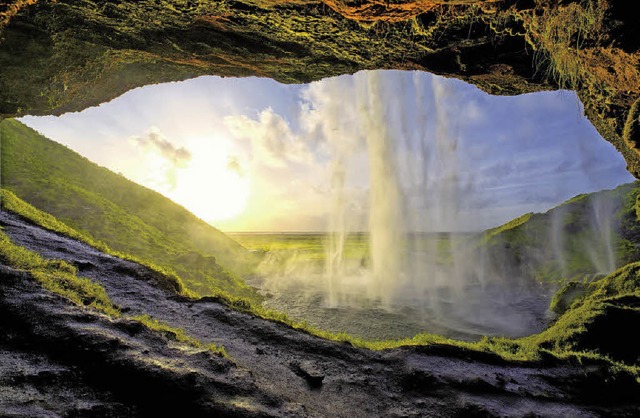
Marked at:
<point>528,241</point>
<point>123,215</point>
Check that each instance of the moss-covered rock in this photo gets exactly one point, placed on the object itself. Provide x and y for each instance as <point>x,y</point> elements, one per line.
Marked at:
<point>601,317</point>
<point>569,293</point>
<point>66,55</point>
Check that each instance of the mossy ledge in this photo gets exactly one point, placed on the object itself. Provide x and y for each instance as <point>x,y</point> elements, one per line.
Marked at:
<point>65,55</point>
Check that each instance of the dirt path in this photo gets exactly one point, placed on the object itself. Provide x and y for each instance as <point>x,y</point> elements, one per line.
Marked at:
<point>284,372</point>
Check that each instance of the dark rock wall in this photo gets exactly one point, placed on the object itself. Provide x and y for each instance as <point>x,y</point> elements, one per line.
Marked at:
<point>66,55</point>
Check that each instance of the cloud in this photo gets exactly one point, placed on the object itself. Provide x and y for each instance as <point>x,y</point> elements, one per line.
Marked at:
<point>233,164</point>
<point>160,174</point>
<point>154,139</point>
<point>274,143</point>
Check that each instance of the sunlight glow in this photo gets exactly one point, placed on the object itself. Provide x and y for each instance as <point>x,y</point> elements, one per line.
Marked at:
<point>211,185</point>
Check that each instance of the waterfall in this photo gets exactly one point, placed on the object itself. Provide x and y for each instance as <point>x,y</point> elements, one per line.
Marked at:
<point>386,226</point>
<point>422,197</point>
<point>414,188</point>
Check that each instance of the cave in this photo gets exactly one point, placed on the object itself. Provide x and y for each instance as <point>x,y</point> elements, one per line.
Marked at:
<point>67,55</point>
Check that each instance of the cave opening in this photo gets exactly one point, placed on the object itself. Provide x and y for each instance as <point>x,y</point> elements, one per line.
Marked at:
<point>383,204</point>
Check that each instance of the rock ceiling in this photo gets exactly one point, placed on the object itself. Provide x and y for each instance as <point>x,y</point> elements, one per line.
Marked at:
<point>66,55</point>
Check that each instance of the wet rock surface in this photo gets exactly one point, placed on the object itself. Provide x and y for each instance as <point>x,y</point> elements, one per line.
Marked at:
<point>32,384</point>
<point>309,372</point>
<point>275,370</point>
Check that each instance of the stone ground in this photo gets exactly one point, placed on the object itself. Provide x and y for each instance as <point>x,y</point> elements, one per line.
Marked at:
<point>58,359</point>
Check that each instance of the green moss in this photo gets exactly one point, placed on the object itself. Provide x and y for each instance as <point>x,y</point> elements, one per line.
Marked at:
<point>57,276</point>
<point>631,132</point>
<point>178,334</point>
<point>569,293</point>
<point>580,327</point>
<point>514,223</point>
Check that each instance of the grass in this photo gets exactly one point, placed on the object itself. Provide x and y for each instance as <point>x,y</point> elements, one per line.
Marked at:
<point>283,252</point>
<point>310,248</point>
<point>116,215</point>
<point>559,34</point>
<point>514,223</point>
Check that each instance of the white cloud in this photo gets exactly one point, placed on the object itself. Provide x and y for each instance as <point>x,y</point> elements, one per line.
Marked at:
<point>155,140</point>
<point>273,141</point>
<point>233,164</point>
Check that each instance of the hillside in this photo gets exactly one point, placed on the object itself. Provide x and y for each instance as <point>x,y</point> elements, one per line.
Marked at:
<point>123,215</point>
<point>588,235</point>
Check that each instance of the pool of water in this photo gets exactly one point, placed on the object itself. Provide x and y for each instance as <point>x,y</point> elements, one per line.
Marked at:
<point>493,310</point>
<point>431,298</point>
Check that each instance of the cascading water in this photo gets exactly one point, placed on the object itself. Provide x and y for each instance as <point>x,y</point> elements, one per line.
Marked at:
<point>593,248</point>
<point>385,196</point>
<point>602,224</point>
<point>414,188</point>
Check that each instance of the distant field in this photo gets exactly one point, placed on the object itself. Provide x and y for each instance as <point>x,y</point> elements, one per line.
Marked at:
<point>312,246</point>
<point>306,246</point>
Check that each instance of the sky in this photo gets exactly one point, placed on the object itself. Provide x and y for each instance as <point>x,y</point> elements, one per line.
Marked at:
<point>251,154</point>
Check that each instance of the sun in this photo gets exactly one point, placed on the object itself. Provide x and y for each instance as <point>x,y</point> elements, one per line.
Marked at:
<point>210,186</point>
